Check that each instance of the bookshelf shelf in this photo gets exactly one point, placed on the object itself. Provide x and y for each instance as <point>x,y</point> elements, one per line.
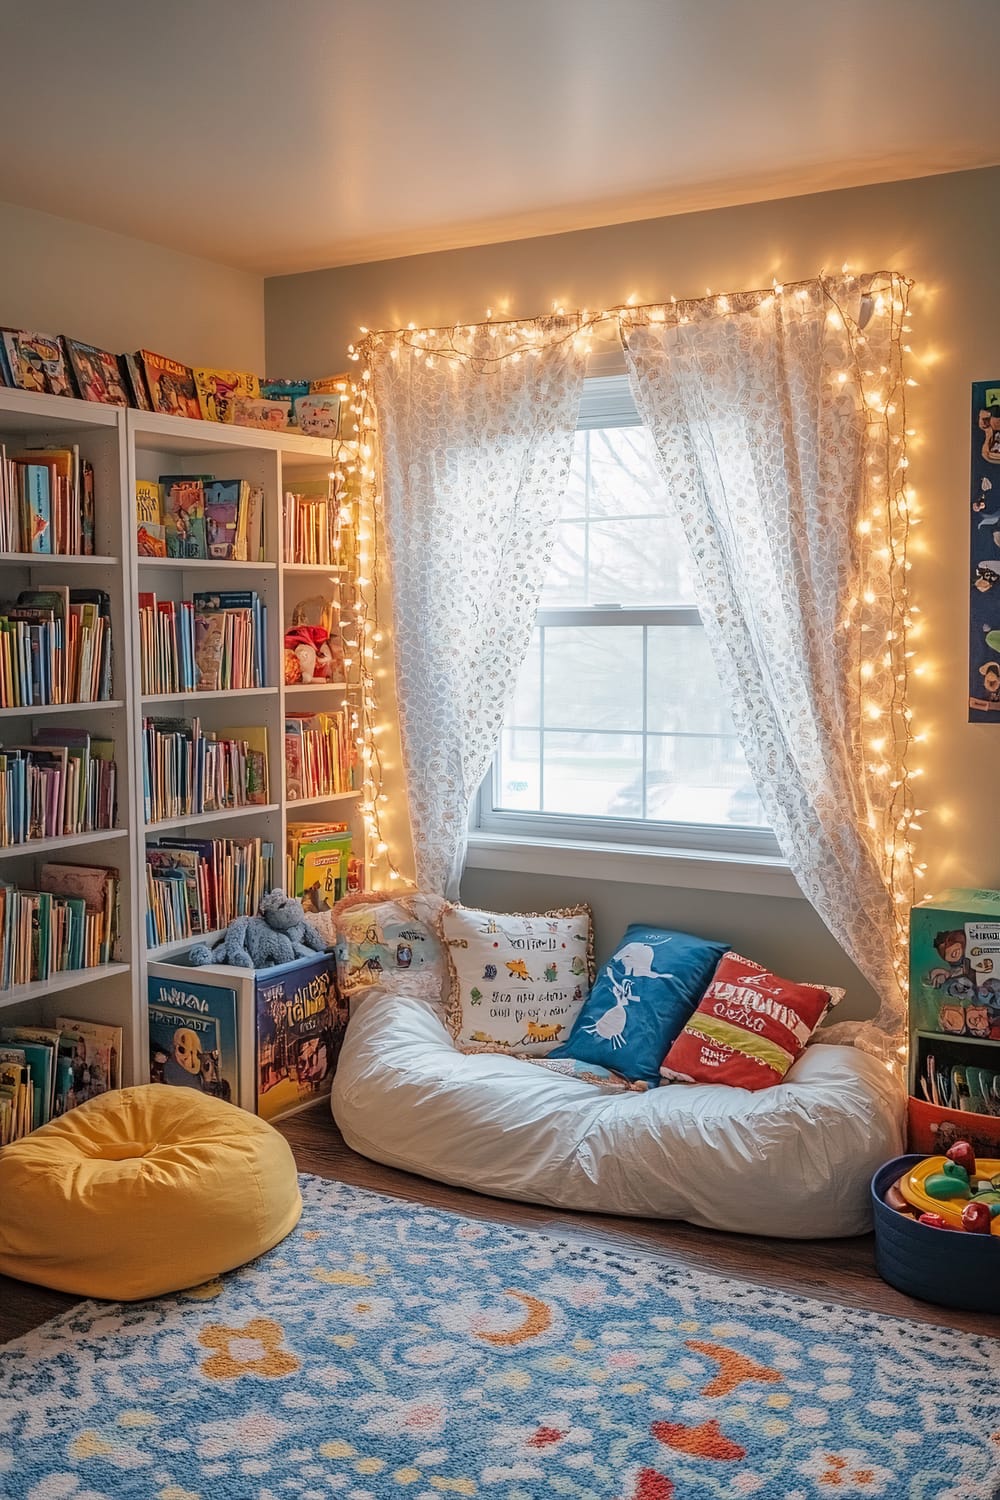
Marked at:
<point>59,708</point>
<point>216,565</point>
<point>62,841</point>
<point>179,945</point>
<point>58,559</point>
<point>315,687</point>
<point>216,816</point>
<point>69,979</point>
<point>208,696</point>
<point>292,806</point>
<point>325,570</point>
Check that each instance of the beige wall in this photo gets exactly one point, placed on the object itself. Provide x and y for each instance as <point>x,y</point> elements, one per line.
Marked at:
<point>58,276</point>
<point>942,231</point>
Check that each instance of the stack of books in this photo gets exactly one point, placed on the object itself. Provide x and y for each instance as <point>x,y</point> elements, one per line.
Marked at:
<point>55,647</point>
<point>44,1071</point>
<point>194,886</point>
<point>197,516</point>
<point>213,642</point>
<point>166,645</point>
<point>46,502</point>
<point>318,864</point>
<point>69,922</point>
<point>188,770</point>
<point>311,529</point>
<point>319,755</point>
<point>63,783</point>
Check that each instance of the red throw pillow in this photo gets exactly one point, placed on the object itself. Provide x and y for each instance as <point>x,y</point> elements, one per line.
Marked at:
<point>749,1028</point>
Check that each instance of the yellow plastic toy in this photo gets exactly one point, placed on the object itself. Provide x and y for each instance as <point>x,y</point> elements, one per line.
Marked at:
<point>932,1172</point>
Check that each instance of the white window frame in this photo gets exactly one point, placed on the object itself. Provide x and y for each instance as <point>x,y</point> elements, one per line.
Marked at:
<point>607,402</point>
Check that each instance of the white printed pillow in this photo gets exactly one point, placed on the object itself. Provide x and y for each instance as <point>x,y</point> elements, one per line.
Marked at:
<point>389,944</point>
<point>517,981</point>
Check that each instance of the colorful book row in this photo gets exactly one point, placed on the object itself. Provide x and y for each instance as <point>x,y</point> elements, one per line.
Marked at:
<point>44,1071</point>
<point>194,886</point>
<point>69,922</point>
<point>320,758</point>
<point>46,502</point>
<point>65,782</point>
<point>61,366</point>
<point>55,647</point>
<point>186,770</point>
<point>199,517</point>
<point>210,643</point>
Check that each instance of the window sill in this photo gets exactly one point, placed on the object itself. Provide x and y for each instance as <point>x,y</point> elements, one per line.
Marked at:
<point>701,871</point>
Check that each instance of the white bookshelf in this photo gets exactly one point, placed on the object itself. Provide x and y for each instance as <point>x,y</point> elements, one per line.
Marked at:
<point>125,446</point>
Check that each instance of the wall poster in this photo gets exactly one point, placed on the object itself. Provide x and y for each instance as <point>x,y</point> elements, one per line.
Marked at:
<point>984,611</point>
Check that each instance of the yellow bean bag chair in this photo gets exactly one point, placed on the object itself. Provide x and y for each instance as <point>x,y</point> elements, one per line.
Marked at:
<point>144,1191</point>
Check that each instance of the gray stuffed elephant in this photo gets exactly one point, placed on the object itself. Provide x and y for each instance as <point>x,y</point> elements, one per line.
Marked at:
<point>279,934</point>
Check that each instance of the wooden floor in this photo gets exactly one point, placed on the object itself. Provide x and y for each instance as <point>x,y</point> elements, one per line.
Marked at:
<point>839,1271</point>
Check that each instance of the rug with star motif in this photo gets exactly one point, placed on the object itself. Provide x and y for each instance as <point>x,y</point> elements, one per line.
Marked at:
<point>386,1349</point>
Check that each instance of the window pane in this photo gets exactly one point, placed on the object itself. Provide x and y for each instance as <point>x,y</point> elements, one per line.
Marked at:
<point>623,478</point>
<point>526,708</point>
<point>588,774</point>
<point>518,783</point>
<point>566,580</point>
<point>638,563</point>
<point>699,778</point>
<point>593,677</point>
<point>683,689</point>
<point>619,541</point>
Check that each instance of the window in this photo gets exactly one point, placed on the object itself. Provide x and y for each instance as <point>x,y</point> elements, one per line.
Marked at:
<point>618,729</point>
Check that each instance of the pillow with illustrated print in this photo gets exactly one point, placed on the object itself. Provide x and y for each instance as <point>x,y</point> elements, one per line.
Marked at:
<point>749,1028</point>
<point>390,943</point>
<point>517,980</point>
<point>641,1000</point>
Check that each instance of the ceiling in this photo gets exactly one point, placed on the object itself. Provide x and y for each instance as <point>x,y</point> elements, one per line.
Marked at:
<point>286,135</point>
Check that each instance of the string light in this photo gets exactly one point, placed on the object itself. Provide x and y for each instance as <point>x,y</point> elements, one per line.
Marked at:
<point>877,623</point>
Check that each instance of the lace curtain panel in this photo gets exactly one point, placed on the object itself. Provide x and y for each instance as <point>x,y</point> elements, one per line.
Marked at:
<point>474,456</point>
<point>773,447</point>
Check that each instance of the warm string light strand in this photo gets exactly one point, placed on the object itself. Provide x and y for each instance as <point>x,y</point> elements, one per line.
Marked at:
<point>879,612</point>
<point>880,615</point>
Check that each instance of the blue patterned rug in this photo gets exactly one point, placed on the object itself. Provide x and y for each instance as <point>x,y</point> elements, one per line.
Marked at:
<point>389,1350</point>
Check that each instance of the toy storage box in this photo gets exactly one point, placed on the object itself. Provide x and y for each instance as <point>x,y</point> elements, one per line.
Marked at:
<point>954,1014</point>
<point>290,1027</point>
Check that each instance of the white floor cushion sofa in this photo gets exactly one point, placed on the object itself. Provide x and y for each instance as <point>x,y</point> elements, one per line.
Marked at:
<point>793,1161</point>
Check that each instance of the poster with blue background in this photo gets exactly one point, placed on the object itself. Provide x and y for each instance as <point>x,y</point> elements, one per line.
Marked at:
<point>984,610</point>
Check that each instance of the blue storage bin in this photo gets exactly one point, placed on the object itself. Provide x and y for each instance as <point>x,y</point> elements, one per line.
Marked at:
<point>945,1266</point>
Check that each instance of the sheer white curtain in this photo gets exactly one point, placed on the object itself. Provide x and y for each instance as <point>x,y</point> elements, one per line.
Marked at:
<point>475,439</point>
<point>774,423</point>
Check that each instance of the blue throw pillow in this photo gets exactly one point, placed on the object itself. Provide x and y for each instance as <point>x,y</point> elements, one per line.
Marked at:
<point>642,1000</point>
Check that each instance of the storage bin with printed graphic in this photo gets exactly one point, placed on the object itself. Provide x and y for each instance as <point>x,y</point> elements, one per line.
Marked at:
<point>954,1028</point>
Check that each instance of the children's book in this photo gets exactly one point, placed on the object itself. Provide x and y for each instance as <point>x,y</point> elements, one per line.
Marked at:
<point>97,374</point>
<point>36,481</point>
<point>255,411</point>
<point>209,642</point>
<point>184,516</point>
<point>300,1031</point>
<point>150,533</point>
<point>287,392</point>
<point>217,389</point>
<point>37,362</point>
<point>171,385</point>
<point>258,780</point>
<point>136,383</point>
<point>193,1040</point>
<point>318,415</point>
<point>95,1057</point>
<point>222,517</point>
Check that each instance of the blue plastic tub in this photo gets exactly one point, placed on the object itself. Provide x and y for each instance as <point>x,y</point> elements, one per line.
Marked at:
<point>944,1266</point>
